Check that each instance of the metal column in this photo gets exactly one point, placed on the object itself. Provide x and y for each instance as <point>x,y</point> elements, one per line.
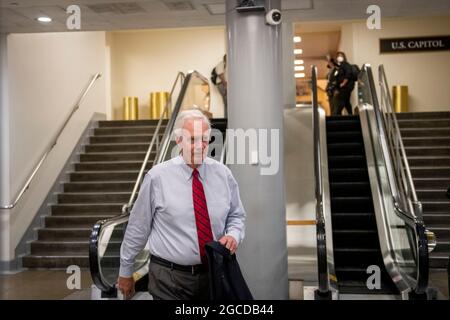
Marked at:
<point>255,102</point>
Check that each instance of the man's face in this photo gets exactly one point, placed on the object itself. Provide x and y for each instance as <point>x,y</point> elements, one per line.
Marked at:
<point>194,141</point>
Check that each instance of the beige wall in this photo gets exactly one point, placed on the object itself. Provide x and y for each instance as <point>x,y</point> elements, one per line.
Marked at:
<point>47,73</point>
<point>426,74</point>
<point>146,61</point>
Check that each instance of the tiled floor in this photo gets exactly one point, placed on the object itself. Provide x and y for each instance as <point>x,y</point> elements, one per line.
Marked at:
<point>52,284</point>
<point>40,284</point>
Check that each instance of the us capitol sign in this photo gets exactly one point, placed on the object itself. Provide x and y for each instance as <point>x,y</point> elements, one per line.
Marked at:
<point>418,44</point>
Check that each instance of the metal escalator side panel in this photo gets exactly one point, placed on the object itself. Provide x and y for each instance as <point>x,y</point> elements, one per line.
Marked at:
<point>326,201</point>
<point>392,231</point>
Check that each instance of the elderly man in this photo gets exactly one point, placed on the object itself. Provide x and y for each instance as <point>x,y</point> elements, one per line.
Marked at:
<point>183,204</point>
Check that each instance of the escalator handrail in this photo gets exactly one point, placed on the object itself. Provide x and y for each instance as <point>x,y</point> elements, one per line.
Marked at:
<point>411,213</point>
<point>94,262</point>
<point>322,263</point>
<point>127,207</point>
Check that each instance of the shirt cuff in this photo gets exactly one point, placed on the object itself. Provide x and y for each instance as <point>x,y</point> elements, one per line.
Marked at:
<point>234,234</point>
<point>126,271</point>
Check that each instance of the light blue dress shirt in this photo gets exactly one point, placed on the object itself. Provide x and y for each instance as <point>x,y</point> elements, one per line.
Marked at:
<point>163,213</point>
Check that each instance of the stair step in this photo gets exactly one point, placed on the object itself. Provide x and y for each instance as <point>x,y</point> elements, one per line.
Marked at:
<point>116,186</point>
<point>73,234</point>
<point>66,234</point>
<point>142,138</point>
<point>439,260</point>
<point>431,183</point>
<point>423,115</point>
<point>348,174</point>
<point>93,197</point>
<point>72,221</point>
<point>423,123</point>
<point>347,136</point>
<point>129,123</point>
<point>432,194</point>
<point>355,161</point>
<point>104,176</point>
<point>357,257</point>
<point>353,220</point>
<point>426,141</point>
<point>440,232</point>
<point>347,237</point>
<point>46,261</point>
<point>436,219</point>
<point>424,132</point>
<point>69,247</point>
<point>117,147</point>
<point>351,204</point>
<point>351,124</point>
<point>430,172</point>
<point>427,151</point>
<point>115,156</point>
<point>108,165</point>
<point>434,161</point>
<point>109,131</point>
<point>435,206</point>
<point>360,287</point>
<point>442,246</point>
<point>341,149</point>
<point>348,189</point>
<point>100,208</point>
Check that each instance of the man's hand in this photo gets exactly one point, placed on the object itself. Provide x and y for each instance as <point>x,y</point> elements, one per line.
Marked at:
<point>229,242</point>
<point>126,286</point>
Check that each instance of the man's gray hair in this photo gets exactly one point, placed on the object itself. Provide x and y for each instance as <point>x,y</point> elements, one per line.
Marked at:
<point>187,115</point>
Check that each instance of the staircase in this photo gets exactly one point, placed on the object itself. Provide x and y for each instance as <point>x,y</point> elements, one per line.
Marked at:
<point>100,184</point>
<point>355,235</point>
<point>426,137</point>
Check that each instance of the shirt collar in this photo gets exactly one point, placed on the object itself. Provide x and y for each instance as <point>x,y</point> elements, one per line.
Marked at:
<point>187,170</point>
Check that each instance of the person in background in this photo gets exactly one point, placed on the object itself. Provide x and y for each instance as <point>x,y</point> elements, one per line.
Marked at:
<point>331,81</point>
<point>219,78</point>
<point>345,84</point>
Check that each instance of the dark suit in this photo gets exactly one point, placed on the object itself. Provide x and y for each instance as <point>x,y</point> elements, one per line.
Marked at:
<point>225,277</point>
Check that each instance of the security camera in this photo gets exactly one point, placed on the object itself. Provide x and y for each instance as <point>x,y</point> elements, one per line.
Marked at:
<point>273,17</point>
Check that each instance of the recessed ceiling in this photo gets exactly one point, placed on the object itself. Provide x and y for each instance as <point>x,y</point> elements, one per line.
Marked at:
<point>20,15</point>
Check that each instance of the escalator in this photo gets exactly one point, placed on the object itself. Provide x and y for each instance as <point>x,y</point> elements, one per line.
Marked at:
<point>107,235</point>
<point>371,239</point>
<point>355,237</point>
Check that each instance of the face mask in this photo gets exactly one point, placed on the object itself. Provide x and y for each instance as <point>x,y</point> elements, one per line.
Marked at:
<point>340,59</point>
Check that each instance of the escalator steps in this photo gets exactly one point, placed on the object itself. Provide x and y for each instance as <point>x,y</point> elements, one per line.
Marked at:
<point>355,236</point>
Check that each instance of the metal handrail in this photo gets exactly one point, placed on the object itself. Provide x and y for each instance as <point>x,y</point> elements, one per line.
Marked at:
<point>400,161</point>
<point>406,205</point>
<point>52,144</point>
<point>322,263</point>
<point>126,207</point>
<point>224,151</point>
<point>166,138</point>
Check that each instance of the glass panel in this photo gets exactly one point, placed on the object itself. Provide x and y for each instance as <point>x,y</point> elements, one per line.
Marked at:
<point>401,235</point>
<point>197,94</point>
<point>109,244</point>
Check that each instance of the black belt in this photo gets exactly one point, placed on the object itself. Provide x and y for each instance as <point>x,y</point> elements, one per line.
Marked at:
<point>195,269</point>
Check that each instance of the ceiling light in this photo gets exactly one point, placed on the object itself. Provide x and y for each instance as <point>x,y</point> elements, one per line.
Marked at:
<point>299,68</point>
<point>297,62</point>
<point>44,19</point>
<point>297,39</point>
<point>298,51</point>
<point>299,75</point>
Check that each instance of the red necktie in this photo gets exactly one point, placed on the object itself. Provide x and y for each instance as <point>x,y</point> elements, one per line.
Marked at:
<point>202,221</point>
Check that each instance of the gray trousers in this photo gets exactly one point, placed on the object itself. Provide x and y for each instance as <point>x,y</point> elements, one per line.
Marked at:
<point>169,284</point>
